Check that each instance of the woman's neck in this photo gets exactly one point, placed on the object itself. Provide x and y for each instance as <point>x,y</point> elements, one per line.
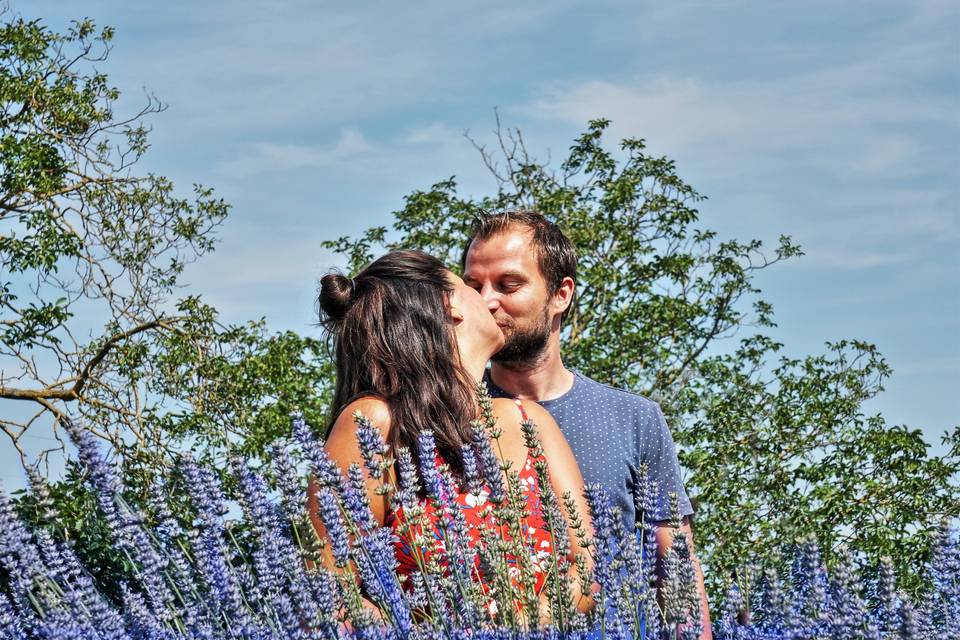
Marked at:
<point>475,366</point>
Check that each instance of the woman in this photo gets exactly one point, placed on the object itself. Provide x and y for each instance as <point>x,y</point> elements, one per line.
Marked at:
<point>412,342</point>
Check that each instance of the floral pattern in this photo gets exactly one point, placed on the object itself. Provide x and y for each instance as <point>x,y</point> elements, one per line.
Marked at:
<point>478,513</point>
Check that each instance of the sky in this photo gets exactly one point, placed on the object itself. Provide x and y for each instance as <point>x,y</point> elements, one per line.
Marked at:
<point>835,123</point>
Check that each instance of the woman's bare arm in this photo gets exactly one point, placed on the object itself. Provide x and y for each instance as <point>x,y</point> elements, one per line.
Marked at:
<point>343,449</point>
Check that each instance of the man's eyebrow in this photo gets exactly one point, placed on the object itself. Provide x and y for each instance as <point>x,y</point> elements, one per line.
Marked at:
<point>513,274</point>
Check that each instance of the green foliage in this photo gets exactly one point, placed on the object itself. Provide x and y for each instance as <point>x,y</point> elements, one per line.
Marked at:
<point>777,448</point>
<point>237,391</point>
<point>90,257</point>
<point>788,453</point>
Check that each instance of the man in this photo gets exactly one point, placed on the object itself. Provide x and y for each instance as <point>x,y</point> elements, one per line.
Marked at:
<point>525,268</point>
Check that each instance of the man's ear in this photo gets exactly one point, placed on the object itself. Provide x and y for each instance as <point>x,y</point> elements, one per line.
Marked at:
<point>564,295</point>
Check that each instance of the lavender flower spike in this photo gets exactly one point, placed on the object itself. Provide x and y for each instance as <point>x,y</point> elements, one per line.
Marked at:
<point>323,468</point>
<point>333,522</point>
<point>373,449</point>
<point>428,466</point>
<point>488,463</point>
<point>10,621</point>
<point>125,524</point>
<point>409,481</point>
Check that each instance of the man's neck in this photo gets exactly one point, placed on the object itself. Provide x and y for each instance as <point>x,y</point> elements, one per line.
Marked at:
<point>547,379</point>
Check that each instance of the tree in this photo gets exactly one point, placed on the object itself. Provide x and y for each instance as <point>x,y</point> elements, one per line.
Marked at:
<point>776,447</point>
<point>90,256</point>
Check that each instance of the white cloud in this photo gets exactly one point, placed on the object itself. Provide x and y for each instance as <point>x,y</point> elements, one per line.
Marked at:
<point>681,115</point>
<point>266,157</point>
<point>288,63</point>
<point>842,153</point>
<point>946,365</point>
<point>433,134</point>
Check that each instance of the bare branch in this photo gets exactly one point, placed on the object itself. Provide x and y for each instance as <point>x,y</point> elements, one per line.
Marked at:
<point>54,392</point>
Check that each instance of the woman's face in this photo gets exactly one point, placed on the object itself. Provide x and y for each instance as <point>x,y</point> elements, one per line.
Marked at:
<point>475,325</point>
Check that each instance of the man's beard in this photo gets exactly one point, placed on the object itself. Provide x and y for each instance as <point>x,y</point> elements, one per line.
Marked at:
<point>525,347</point>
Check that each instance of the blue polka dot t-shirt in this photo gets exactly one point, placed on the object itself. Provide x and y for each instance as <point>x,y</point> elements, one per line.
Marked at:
<point>611,432</point>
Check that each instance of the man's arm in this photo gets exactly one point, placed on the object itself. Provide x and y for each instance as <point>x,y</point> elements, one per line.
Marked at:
<point>665,533</point>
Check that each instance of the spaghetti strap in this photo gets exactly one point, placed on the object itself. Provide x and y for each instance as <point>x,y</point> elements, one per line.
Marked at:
<point>523,412</point>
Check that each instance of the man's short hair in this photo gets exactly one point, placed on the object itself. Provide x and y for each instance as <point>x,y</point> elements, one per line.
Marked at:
<point>556,255</point>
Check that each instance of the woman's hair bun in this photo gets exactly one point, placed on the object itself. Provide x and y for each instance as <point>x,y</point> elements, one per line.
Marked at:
<point>336,295</point>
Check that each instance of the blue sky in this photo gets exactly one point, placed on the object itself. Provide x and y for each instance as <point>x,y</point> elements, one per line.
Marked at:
<point>836,123</point>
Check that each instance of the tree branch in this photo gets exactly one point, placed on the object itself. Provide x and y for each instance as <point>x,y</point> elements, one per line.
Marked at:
<point>51,392</point>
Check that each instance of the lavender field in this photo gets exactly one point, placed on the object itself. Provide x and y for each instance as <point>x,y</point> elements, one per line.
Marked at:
<point>192,578</point>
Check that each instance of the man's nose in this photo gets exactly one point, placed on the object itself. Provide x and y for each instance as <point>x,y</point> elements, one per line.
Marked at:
<point>491,297</point>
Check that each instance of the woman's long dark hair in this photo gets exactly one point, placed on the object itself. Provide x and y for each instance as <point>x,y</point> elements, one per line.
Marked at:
<point>394,339</point>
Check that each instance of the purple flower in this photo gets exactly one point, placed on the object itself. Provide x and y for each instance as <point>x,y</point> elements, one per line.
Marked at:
<point>474,481</point>
<point>207,540</point>
<point>728,624</point>
<point>292,493</point>
<point>409,487</point>
<point>372,447</point>
<point>645,492</point>
<point>944,573</point>
<point>428,467</point>
<point>884,595</point>
<point>141,623</point>
<point>355,498</point>
<point>810,588</point>
<point>772,610</point>
<point>325,591</point>
<point>909,620</point>
<point>846,610</point>
<point>630,556</point>
<point>377,564</point>
<point>20,558</point>
<point>41,493</point>
<point>489,465</point>
<point>9,620</point>
<point>277,563</point>
<point>605,574</point>
<point>329,512</point>
<point>269,555</point>
<point>323,468</point>
<point>167,525</point>
<point>73,594</point>
<point>124,523</point>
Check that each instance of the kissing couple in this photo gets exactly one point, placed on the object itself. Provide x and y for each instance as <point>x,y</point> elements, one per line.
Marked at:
<point>412,341</point>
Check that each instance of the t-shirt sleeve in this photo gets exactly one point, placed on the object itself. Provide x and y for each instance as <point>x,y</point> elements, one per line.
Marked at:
<point>660,454</point>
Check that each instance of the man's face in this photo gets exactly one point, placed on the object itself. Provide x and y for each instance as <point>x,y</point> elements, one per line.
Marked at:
<point>504,269</point>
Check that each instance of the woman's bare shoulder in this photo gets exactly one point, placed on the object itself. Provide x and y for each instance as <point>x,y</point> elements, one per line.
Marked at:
<point>341,442</point>
<point>507,408</point>
<point>374,409</point>
<point>503,405</point>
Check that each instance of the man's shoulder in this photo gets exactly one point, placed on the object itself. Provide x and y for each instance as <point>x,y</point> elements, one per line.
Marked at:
<point>621,397</point>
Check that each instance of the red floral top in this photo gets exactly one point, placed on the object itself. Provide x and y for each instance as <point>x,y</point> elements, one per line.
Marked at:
<point>478,514</point>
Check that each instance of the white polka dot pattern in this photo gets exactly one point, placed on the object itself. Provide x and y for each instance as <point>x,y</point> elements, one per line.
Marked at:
<point>611,432</point>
